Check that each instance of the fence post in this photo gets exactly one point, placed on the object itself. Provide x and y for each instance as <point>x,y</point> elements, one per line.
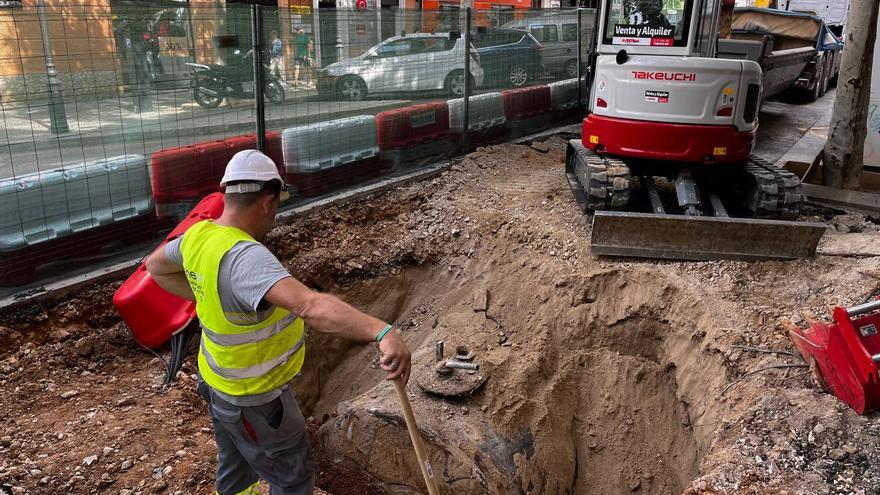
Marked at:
<point>57,113</point>
<point>257,35</point>
<point>466,93</point>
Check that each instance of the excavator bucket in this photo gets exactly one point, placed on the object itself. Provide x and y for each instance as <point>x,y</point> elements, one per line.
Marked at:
<point>680,237</point>
<point>845,354</point>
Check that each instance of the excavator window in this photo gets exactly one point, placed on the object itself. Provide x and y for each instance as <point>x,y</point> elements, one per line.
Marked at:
<point>647,22</point>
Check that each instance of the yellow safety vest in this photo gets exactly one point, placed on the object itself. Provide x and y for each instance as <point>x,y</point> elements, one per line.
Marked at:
<point>237,359</point>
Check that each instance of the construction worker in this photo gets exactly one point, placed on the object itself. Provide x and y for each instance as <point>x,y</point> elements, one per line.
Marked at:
<point>251,312</point>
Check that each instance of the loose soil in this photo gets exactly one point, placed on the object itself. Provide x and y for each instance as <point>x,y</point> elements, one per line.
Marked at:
<point>602,376</point>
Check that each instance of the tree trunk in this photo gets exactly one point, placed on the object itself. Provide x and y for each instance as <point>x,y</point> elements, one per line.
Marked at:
<point>843,156</point>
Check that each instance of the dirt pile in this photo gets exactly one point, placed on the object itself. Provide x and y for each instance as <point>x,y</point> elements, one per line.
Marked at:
<point>603,376</point>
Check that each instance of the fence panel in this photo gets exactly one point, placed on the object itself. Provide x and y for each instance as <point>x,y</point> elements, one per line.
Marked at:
<point>171,89</point>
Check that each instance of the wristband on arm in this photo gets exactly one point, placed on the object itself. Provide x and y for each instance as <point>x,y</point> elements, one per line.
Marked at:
<point>382,333</point>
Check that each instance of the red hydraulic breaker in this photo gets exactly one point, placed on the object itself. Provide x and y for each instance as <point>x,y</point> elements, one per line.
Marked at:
<point>846,354</point>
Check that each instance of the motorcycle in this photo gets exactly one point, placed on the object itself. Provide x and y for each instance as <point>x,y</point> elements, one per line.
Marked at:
<point>212,83</point>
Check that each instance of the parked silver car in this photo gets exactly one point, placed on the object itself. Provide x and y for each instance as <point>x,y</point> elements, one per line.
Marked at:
<point>413,62</point>
<point>558,34</point>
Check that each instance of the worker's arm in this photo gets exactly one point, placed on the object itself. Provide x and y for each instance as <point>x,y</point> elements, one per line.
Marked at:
<point>328,314</point>
<point>169,274</point>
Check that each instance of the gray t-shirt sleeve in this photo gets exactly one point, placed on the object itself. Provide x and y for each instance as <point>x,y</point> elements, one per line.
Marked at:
<point>247,272</point>
<point>172,250</point>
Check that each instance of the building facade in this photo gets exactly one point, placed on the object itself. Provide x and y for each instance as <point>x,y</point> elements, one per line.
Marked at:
<point>106,47</point>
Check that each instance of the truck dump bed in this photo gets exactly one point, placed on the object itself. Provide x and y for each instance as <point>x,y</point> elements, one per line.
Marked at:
<point>783,43</point>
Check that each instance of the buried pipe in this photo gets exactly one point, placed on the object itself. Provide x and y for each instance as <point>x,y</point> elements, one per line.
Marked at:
<point>462,366</point>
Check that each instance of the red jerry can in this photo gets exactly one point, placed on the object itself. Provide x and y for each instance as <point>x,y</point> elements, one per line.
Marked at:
<point>846,354</point>
<point>152,314</point>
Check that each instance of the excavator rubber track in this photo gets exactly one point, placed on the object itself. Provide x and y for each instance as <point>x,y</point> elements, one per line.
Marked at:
<point>770,196</point>
<point>777,194</point>
<point>606,182</point>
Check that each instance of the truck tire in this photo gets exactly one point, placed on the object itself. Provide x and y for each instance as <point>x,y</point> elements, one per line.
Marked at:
<point>826,71</point>
<point>835,68</point>
<point>815,93</point>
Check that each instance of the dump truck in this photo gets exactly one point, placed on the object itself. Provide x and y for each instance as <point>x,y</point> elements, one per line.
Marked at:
<point>664,165</point>
<point>796,51</point>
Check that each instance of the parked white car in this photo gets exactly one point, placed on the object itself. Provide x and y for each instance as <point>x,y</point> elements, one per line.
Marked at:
<point>414,62</point>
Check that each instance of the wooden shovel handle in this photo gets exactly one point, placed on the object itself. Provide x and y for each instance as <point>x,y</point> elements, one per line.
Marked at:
<point>421,454</point>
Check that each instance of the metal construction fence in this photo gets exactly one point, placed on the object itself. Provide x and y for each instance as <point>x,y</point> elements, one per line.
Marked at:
<point>117,119</point>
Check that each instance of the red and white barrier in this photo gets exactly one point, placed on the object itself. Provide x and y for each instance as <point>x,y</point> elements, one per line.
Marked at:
<point>412,125</point>
<point>528,102</point>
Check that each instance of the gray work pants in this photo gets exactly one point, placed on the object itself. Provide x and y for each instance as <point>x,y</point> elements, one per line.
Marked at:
<point>267,442</point>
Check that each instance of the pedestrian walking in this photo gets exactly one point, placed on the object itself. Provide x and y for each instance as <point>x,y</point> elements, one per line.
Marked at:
<point>302,52</point>
<point>252,314</point>
<point>277,61</point>
<point>309,64</point>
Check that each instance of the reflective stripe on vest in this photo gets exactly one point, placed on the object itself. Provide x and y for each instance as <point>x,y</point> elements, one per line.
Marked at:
<point>251,371</point>
<point>234,358</point>
<point>228,339</point>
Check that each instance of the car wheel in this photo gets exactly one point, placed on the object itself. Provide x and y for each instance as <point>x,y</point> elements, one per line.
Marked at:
<point>571,69</point>
<point>352,88</point>
<point>517,76</point>
<point>454,83</point>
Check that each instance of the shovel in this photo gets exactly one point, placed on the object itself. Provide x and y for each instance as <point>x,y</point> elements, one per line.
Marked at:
<point>413,429</point>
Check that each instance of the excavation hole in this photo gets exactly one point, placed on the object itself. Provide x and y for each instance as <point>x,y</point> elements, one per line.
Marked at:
<point>587,399</point>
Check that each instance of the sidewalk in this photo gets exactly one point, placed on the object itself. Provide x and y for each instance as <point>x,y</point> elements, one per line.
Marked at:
<point>812,142</point>
<point>100,127</point>
<point>787,131</point>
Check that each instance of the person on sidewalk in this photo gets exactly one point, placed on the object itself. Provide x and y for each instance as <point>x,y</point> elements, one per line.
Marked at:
<point>277,62</point>
<point>301,51</point>
<point>252,314</point>
<point>309,65</point>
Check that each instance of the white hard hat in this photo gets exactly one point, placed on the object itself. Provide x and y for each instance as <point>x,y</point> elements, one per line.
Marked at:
<point>250,166</point>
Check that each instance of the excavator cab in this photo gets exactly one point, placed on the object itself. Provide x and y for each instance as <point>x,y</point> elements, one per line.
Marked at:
<point>664,162</point>
<point>656,72</point>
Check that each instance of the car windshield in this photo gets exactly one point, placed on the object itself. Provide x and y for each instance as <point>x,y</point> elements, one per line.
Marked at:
<point>412,46</point>
<point>647,22</point>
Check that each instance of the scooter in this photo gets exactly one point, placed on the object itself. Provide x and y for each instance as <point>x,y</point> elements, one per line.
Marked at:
<point>212,83</point>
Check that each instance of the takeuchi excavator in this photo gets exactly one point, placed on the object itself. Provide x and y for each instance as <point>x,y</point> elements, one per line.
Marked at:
<point>664,161</point>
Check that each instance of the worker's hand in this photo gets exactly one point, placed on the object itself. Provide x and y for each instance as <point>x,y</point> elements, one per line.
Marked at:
<point>395,356</point>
